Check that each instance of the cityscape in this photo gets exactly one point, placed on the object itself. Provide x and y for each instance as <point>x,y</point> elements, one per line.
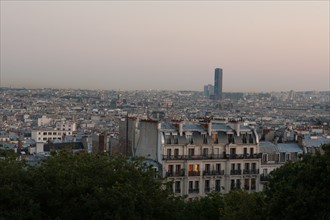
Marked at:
<point>100,124</point>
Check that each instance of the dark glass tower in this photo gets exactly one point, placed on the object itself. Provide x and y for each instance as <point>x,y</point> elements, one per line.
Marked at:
<point>218,84</point>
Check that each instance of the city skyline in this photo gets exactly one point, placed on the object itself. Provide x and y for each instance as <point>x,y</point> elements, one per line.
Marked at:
<point>140,45</point>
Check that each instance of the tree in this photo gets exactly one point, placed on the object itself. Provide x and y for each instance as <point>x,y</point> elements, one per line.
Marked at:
<point>242,205</point>
<point>301,190</point>
<point>84,186</point>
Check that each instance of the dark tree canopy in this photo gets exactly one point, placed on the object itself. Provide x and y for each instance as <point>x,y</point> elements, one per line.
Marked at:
<point>301,190</point>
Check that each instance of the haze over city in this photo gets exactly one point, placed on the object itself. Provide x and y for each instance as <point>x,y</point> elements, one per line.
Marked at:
<point>134,45</point>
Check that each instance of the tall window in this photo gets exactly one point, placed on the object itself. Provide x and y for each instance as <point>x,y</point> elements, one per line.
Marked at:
<point>191,152</point>
<point>176,152</point>
<point>191,186</point>
<point>205,152</point>
<point>251,151</point>
<point>253,184</point>
<point>196,186</point>
<point>175,139</point>
<point>169,152</point>
<point>177,186</point>
<point>245,151</point>
<point>217,185</point>
<point>167,139</point>
<point>207,185</point>
<point>189,139</point>
<point>218,168</point>
<point>246,184</point>
<point>204,136</point>
<point>207,168</point>
<point>232,184</point>
<point>215,137</point>
<point>238,183</point>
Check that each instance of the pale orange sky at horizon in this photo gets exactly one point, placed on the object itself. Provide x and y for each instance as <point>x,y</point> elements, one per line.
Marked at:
<point>132,45</point>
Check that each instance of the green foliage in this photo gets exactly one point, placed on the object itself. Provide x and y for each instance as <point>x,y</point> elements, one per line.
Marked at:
<point>83,186</point>
<point>242,205</point>
<point>301,190</point>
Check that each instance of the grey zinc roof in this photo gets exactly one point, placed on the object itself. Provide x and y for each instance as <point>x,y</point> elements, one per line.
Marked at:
<point>219,127</point>
<point>268,147</point>
<point>167,126</point>
<point>193,127</point>
<point>316,142</point>
<point>284,147</point>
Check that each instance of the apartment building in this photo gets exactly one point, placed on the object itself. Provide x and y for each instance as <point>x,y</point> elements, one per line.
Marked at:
<point>205,157</point>
<point>274,156</point>
<point>46,135</point>
<point>198,157</point>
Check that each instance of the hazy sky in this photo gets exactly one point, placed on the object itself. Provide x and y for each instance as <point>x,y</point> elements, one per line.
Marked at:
<point>261,46</point>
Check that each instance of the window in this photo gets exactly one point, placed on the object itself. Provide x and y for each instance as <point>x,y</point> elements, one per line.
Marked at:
<point>232,151</point>
<point>196,186</point>
<point>189,139</point>
<point>175,139</point>
<point>207,186</point>
<point>205,152</point>
<point>231,139</point>
<point>178,170</point>
<point>54,133</point>
<point>49,133</point>
<point>204,136</point>
<point>250,139</point>
<point>217,185</point>
<point>238,183</point>
<point>218,167</point>
<point>251,151</point>
<point>246,184</point>
<point>177,186</point>
<point>45,133</point>
<point>264,158</point>
<point>244,139</point>
<point>247,166</point>
<point>191,152</point>
<point>232,184</point>
<point>245,151</point>
<point>253,184</point>
<point>169,153</point>
<point>282,157</point>
<point>176,152</point>
<point>265,172</point>
<point>191,189</point>
<point>167,139</point>
<point>287,157</point>
<point>215,137</point>
<point>254,167</point>
<point>170,168</point>
<point>207,169</point>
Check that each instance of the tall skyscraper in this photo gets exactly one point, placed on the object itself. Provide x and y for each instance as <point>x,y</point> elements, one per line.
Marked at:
<point>218,84</point>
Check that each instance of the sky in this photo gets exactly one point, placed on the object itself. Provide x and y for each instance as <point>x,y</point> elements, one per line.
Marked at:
<point>262,46</point>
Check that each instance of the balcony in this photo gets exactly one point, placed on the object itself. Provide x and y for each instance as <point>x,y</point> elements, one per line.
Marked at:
<point>243,156</point>
<point>264,178</point>
<point>175,174</point>
<point>235,172</point>
<point>213,172</point>
<point>253,171</point>
<point>193,190</point>
<point>194,173</point>
<point>193,157</point>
